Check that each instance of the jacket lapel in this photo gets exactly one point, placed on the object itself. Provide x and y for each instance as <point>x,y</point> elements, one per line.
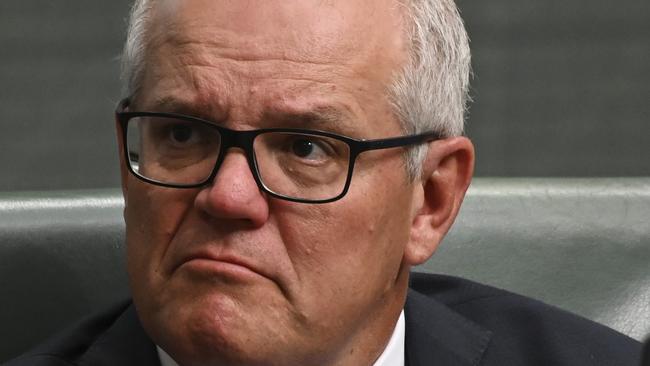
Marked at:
<point>125,343</point>
<point>436,335</point>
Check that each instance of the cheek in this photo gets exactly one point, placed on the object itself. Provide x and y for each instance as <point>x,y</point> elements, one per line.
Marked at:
<point>382,227</point>
<point>152,217</point>
<point>349,246</point>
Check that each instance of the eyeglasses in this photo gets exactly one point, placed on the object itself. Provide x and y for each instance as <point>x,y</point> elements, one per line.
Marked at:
<point>299,165</point>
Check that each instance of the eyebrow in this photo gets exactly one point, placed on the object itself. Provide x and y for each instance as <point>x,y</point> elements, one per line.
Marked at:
<point>327,118</point>
<point>174,105</point>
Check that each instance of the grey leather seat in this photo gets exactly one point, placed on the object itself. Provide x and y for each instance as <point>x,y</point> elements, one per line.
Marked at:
<point>581,244</point>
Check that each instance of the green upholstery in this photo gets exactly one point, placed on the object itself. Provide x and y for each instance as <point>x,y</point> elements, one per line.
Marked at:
<point>581,244</point>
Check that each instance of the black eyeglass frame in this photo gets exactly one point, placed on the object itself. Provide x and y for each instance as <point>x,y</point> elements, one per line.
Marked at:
<point>244,140</point>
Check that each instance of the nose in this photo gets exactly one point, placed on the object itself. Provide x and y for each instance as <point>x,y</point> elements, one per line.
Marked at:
<point>234,194</point>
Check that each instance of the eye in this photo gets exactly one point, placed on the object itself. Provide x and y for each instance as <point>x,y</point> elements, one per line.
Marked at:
<point>303,147</point>
<point>310,148</point>
<point>181,133</point>
<point>289,149</point>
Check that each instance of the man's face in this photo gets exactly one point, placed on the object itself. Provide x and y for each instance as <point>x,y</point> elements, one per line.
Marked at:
<point>225,273</point>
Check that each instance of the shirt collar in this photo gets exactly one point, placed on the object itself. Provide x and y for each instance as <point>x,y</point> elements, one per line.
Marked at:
<point>165,359</point>
<point>393,354</point>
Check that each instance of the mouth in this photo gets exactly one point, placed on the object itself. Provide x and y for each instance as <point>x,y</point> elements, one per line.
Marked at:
<point>207,265</point>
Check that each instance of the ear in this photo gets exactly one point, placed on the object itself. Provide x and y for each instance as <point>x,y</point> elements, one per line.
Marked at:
<point>446,175</point>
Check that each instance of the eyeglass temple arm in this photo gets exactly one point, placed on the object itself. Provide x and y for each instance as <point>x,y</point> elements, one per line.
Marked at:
<point>398,141</point>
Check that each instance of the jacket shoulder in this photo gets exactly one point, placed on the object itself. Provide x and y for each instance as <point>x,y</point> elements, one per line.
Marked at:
<point>72,344</point>
<point>527,331</point>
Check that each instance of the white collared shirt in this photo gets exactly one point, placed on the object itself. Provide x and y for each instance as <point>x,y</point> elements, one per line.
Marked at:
<point>393,354</point>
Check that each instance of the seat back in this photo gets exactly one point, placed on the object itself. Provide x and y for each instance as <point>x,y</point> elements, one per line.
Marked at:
<point>580,244</point>
<point>60,258</point>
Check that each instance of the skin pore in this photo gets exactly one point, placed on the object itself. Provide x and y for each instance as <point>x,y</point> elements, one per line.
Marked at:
<point>226,275</point>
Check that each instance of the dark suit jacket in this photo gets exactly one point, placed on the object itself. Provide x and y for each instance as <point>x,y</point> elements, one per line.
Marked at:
<point>449,321</point>
<point>646,353</point>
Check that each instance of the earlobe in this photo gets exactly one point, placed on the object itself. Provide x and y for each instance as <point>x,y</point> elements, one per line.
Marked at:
<point>446,175</point>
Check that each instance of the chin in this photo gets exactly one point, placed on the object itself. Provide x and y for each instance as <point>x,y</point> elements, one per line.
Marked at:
<point>206,343</point>
<point>215,328</point>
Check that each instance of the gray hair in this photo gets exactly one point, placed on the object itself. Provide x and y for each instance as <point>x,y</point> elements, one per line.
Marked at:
<point>133,55</point>
<point>429,94</point>
<point>432,90</point>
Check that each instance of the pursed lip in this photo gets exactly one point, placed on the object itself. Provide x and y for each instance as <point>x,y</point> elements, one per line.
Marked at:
<point>218,257</point>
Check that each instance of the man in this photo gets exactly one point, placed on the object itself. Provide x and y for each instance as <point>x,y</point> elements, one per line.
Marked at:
<point>284,165</point>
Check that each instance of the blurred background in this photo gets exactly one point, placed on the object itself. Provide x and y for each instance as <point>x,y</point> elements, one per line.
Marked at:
<point>561,88</point>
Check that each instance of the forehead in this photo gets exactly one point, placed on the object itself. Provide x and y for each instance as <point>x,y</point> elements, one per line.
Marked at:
<point>303,30</point>
<point>287,52</point>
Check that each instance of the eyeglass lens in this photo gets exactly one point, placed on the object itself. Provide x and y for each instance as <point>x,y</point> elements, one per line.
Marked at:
<point>181,152</point>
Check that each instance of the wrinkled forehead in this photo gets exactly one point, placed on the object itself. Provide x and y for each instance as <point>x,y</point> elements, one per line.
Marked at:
<point>320,31</point>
